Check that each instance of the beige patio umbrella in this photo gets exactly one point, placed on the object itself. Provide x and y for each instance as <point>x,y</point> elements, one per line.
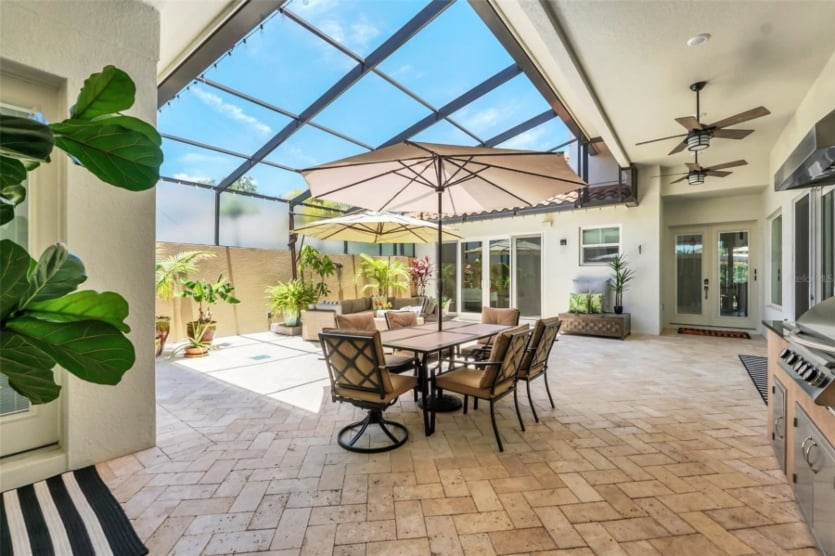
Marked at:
<point>443,179</point>
<point>376,227</point>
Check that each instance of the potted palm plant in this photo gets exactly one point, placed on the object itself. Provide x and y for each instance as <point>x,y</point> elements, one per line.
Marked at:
<point>170,273</point>
<point>207,294</point>
<point>289,298</point>
<point>386,276</point>
<point>620,281</point>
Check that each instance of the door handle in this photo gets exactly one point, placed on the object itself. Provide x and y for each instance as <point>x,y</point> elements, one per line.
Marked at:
<point>777,428</point>
<point>706,286</point>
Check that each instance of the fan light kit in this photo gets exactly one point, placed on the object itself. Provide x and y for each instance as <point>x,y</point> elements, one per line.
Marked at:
<point>696,40</point>
<point>696,178</point>
<point>698,135</point>
<point>696,173</point>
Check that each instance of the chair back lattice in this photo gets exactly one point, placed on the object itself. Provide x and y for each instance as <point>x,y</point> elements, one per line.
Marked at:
<point>539,349</point>
<point>355,361</point>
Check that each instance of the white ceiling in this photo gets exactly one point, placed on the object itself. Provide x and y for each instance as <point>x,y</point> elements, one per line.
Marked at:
<point>624,69</point>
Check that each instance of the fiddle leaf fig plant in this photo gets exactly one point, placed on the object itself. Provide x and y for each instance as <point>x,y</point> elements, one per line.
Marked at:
<point>44,321</point>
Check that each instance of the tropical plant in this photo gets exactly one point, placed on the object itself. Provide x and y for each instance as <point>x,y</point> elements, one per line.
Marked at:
<point>44,321</point>
<point>386,275</point>
<point>290,298</point>
<point>210,294</point>
<point>620,281</point>
<point>172,270</point>
<point>421,271</point>
<point>312,262</point>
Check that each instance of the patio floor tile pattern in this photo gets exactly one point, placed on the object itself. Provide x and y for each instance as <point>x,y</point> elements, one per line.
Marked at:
<point>657,445</point>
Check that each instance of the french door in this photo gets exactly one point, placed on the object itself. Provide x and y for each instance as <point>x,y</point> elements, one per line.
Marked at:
<point>715,276</point>
<point>24,426</point>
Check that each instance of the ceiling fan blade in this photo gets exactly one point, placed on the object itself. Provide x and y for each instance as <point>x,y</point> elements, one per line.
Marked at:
<point>692,166</point>
<point>679,148</point>
<point>757,112</point>
<point>679,179</point>
<point>733,164</point>
<point>690,123</point>
<point>670,175</point>
<point>661,139</point>
<point>716,174</point>
<point>732,133</point>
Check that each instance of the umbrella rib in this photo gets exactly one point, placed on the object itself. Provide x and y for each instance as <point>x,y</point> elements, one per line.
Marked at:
<point>515,170</point>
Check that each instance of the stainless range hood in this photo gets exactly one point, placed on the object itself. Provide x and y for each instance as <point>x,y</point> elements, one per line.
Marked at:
<point>813,161</point>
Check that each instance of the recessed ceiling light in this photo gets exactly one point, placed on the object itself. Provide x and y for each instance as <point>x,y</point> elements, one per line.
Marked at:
<point>696,40</point>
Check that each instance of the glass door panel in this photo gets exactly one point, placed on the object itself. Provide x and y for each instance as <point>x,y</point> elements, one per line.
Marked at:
<point>827,264</point>
<point>689,272</point>
<point>777,261</point>
<point>802,231</point>
<point>449,274</point>
<point>500,273</point>
<point>733,274</point>
<point>527,275</point>
<point>471,277</point>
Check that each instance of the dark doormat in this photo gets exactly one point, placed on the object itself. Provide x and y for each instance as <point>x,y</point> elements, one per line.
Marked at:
<point>717,333</point>
<point>72,513</point>
<point>757,368</point>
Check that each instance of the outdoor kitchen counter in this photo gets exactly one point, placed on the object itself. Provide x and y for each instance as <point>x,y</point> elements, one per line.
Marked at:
<point>775,326</point>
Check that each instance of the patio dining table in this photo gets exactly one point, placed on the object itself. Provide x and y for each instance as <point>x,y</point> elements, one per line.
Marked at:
<point>427,339</point>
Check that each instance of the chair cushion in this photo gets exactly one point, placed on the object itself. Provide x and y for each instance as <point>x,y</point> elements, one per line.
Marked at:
<point>399,383</point>
<point>507,317</point>
<point>497,354</point>
<point>400,319</point>
<point>357,321</point>
<point>536,337</point>
<point>364,363</point>
<point>469,381</point>
<point>400,359</point>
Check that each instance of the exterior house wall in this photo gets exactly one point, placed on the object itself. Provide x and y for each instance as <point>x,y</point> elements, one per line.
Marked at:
<point>639,241</point>
<point>817,103</point>
<point>112,230</point>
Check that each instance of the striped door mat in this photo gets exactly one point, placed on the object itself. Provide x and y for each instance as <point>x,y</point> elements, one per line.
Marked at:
<point>757,368</point>
<point>72,513</point>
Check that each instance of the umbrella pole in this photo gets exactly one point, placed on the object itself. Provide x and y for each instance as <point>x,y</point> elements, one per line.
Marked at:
<point>440,265</point>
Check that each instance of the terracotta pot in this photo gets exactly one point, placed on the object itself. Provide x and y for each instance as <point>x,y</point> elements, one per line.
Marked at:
<point>163,328</point>
<point>208,333</point>
<point>196,352</point>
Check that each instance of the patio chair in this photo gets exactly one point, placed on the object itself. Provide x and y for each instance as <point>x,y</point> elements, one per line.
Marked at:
<point>358,375</point>
<point>489,380</point>
<point>395,362</point>
<point>490,315</point>
<point>535,362</point>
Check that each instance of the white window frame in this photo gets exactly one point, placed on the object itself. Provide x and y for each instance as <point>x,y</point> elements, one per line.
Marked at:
<point>774,216</point>
<point>583,246</point>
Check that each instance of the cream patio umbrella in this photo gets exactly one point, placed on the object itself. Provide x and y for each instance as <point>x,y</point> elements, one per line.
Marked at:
<point>376,227</point>
<point>442,179</point>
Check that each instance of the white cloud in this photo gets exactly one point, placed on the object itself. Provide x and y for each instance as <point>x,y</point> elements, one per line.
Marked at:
<point>356,36</point>
<point>483,119</point>
<point>231,111</point>
<point>190,177</point>
<point>530,140</point>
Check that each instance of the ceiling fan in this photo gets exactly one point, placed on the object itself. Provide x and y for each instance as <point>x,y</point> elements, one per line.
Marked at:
<point>698,134</point>
<point>696,173</point>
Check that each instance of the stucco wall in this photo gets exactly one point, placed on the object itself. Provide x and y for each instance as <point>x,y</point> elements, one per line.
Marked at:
<point>640,243</point>
<point>251,271</point>
<point>110,229</point>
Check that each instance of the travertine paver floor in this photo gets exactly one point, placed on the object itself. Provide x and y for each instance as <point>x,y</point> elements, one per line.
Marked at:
<point>656,445</point>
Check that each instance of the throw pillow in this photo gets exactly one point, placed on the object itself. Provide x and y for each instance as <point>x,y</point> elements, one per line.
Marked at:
<point>578,303</point>
<point>595,302</point>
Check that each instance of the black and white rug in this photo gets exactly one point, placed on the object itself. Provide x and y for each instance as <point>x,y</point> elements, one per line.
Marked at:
<point>757,368</point>
<point>72,513</point>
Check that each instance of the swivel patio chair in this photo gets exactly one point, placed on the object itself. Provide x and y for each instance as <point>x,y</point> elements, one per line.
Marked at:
<point>358,375</point>
<point>535,362</point>
<point>490,315</point>
<point>396,362</point>
<point>489,380</point>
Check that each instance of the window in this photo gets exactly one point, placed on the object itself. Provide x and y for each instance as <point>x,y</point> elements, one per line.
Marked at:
<point>599,245</point>
<point>827,253</point>
<point>777,260</point>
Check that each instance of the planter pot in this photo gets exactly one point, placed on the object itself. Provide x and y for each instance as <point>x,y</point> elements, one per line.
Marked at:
<point>291,317</point>
<point>196,352</point>
<point>208,332</point>
<point>163,328</point>
<point>618,309</point>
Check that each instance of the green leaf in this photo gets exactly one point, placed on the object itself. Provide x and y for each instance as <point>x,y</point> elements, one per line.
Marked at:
<point>57,273</point>
<point>28,369</point>
<point>10,197</point>
<point>106,307</point>
<point>93,351</point>
<point>134,124</point>
<point>14,267</point>
<point>25,139</point>
<point>12,172</point>
<point>114,153</point>
<point>107,92</point>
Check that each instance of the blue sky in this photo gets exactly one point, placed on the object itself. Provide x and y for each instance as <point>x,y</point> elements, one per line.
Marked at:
<point>286,66</point>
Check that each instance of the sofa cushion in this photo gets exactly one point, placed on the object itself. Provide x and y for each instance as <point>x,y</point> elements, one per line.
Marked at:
<point>400,302</point>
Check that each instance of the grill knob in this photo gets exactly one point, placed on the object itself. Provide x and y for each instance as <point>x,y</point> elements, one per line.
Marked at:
<point>799,365</point>
<point>785,353</point>
<point>792,358</point>
<point>812,375</point>
<point>805,370</point>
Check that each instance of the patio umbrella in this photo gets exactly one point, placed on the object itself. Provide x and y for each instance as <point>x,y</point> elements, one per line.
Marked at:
<point>442,179</point>
<point>376,227</point>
